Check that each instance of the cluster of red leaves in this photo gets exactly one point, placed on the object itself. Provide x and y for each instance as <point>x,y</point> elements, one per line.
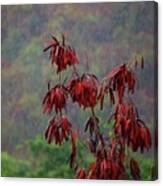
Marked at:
<point>106,166</point>
<point>55,98</point>
<point>84,90</point>
<point>105,169</point>
<point>116,82</point>
<point>58,130</point>
<point>61,54</point>
<point>129,127</point>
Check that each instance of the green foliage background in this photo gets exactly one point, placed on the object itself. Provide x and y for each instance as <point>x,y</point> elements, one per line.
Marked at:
<point>104,35</point>
<point>39,159</point>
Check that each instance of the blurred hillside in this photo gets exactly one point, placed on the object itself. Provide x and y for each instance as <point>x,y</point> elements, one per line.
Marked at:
<point>104,35</point>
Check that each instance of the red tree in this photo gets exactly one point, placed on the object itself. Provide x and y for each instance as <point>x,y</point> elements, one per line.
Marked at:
<point>129,130</point>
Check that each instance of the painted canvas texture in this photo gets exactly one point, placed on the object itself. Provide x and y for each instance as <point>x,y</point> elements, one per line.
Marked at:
<point>79,91</point>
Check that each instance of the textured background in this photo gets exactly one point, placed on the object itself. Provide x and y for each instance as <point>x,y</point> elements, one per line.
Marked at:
<point>103,35</point>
